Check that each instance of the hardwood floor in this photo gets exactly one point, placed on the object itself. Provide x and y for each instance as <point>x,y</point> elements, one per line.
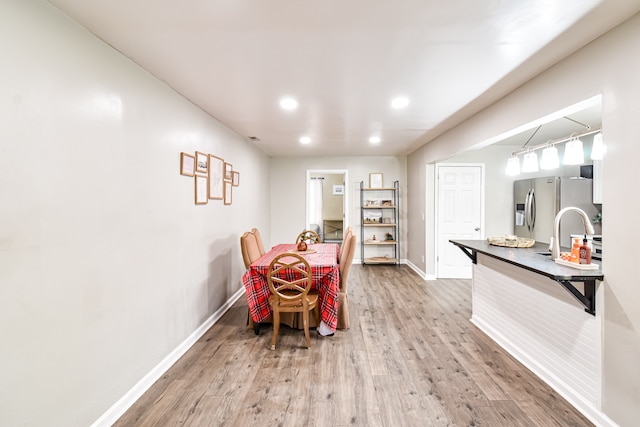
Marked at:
<point>410,358</point>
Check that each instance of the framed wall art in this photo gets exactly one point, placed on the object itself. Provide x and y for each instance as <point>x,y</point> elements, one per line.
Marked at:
<point>216,171</point>
<point>201,162</point>
<point>201,189</point>
<point>338,190</point>
<point>228,192</point>
<point>187,164</point>
<point>375,180</point>
<point>235,178</point>
<point>228,171</point>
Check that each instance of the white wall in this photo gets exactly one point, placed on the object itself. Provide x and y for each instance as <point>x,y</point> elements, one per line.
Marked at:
<point>610,66</point>
<point>106,264</point>
<point>288,191</point>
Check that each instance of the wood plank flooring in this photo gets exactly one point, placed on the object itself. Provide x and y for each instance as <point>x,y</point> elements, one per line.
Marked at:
<point>410,358</point>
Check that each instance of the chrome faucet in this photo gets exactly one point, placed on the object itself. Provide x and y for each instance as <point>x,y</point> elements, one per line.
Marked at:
<point>588,229</point>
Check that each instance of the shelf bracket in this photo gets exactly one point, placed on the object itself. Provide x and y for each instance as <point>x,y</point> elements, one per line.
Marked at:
<point>471,254</point>
<point>588,300</point>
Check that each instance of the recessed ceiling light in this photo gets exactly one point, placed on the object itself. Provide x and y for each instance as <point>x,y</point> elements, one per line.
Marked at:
<point>305,140</point>
<point>375,140</point>
<point>400,102</point>
<point>288,103</point>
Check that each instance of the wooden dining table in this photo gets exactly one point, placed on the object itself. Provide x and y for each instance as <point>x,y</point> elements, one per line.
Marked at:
<point>323,260</point>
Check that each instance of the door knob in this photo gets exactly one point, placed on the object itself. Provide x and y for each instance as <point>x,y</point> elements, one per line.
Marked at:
<point>477,229</point>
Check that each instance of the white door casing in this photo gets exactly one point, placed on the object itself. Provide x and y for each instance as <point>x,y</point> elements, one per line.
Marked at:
<point>460,215</point>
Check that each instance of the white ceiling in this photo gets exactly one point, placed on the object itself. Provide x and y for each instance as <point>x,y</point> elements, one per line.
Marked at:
<point>344,60</point>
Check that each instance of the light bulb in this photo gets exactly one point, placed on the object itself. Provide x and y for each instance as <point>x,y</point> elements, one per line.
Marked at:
<point>573,154</point>
<point>550,158</point>
<point>530,163</point>
<point>513,166</point>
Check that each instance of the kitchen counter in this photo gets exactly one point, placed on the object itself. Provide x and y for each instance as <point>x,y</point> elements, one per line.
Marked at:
<point>543,314</point>
<point>530,259</point>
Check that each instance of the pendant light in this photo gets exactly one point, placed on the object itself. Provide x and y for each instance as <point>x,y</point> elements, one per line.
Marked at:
<point>513,166</point>
<point>550,158</point>
<point>530,162</point>
<point>598,148</point>
<point>573,154</point>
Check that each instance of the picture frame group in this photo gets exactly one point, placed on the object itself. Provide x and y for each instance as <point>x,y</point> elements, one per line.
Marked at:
<point>214,178</point>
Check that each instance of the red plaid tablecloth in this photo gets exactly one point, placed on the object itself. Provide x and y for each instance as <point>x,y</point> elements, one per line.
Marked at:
<point>326,279</point>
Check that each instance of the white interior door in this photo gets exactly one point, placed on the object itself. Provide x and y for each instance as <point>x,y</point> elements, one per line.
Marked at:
<point>459,210</point>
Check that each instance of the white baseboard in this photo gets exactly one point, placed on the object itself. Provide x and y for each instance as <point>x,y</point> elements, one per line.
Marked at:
<point>125,402</point>
<point>415,268</point>
<point>595,415</point>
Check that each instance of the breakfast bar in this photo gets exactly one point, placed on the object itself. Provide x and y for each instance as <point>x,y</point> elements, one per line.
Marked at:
<point>538,260</point>
<point>553,330</point>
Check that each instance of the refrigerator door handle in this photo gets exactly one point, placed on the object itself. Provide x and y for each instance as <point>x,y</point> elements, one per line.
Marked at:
<point>527,210</point>
<point>532,208</point>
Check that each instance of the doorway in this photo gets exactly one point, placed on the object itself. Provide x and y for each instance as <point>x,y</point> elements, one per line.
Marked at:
<point>459,215</point>
<point>327,203</point>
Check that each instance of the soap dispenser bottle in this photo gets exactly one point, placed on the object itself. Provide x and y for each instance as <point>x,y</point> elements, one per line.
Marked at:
<point>585,252</point>
<point>575,250</point>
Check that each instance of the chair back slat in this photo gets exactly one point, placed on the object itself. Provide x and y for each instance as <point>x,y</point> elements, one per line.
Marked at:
<point>308,236</point>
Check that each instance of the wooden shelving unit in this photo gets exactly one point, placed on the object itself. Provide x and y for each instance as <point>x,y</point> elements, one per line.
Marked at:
<point>380,224</point>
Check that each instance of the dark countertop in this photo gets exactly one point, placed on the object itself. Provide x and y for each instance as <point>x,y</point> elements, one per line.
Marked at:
<point>530,259</point>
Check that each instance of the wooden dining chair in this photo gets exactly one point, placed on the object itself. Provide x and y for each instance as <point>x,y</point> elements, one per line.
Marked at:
<point>256,233</point>
<point>346,259</point>
<point>290,280</point>
<point>308,236</point>
<point>250,248</point>
<point>250,252</point>
<point>347,234</point>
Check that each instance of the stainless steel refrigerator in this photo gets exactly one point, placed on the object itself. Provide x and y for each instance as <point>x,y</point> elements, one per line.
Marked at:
<point>538,200</point>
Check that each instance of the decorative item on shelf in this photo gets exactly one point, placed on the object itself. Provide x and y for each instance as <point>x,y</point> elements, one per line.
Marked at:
<point>372,217</point>
<point>386,203</point>
<point>374,238</point>
<point>389,236</point>
<point>302,246</point>
<point>375,180</point>
<point>387,220</point>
